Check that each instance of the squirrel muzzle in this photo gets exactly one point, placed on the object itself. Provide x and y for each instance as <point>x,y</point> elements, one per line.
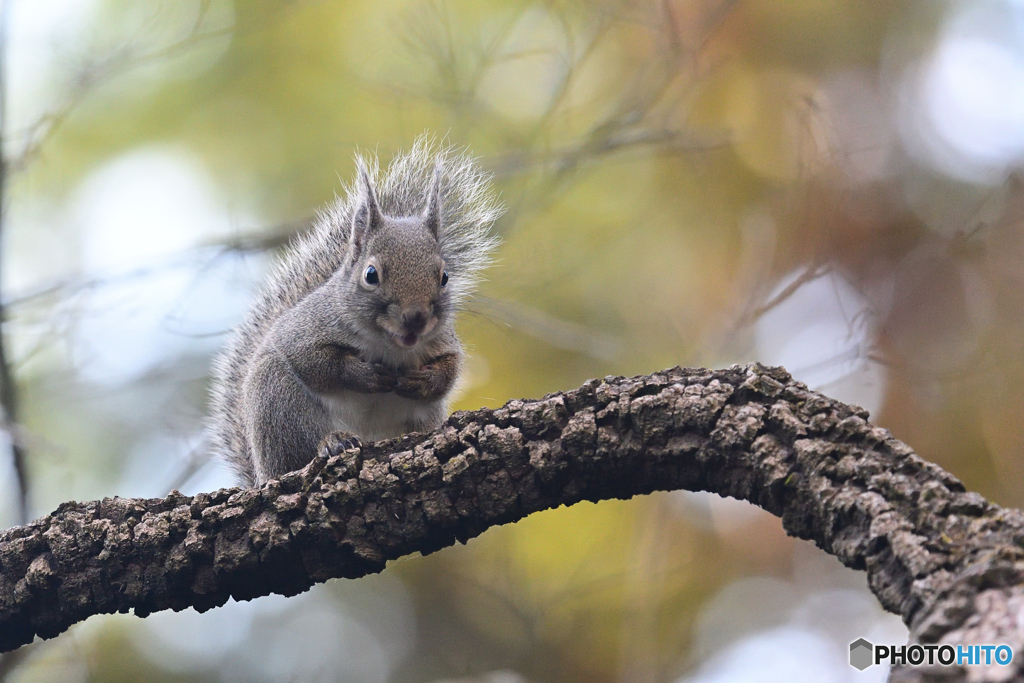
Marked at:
<point>410,325</point>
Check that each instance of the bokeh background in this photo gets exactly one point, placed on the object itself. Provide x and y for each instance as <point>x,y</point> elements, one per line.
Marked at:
<point>827,185</point>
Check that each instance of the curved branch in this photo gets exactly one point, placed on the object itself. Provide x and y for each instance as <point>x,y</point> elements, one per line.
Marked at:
<point>948,561</point>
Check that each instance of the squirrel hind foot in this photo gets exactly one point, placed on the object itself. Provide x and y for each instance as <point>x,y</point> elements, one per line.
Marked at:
<point>337,443</point>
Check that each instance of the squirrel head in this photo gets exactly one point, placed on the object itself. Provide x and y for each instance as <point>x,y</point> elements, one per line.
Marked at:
<point>397,274</point>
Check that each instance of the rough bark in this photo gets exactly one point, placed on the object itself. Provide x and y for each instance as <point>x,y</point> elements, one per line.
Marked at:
<point>948,561</point>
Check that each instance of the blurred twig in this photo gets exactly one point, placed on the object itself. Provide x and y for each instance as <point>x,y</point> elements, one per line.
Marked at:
<point>8,391</point>
<point>538,324</point>
<point>265,240</point>
<point>90,76</point>
<point>118,61</point>
<point>566,159</point>
<point>810,274</point>
<point>101,70</point>
<point>8,394</point>
<point>548,328</point>
<point>633,121</point>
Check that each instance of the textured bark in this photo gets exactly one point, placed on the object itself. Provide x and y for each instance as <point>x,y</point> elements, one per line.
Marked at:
<point>948,561</point>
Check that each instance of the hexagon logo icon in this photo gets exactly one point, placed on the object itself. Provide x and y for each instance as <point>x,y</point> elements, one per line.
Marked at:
<point>861,654</point>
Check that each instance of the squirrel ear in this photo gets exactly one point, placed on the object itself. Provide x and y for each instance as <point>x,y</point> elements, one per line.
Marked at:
<point>367,216</point>
<point>432,212</point>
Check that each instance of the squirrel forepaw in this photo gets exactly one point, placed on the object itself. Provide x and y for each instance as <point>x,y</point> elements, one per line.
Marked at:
<point>337,443</point>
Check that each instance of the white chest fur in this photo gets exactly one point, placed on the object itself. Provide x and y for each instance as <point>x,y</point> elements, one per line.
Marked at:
<point>372,417</point>
<point>381,416</point>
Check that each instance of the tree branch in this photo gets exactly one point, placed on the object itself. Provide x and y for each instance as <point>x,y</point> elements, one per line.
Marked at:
<point>948,561</point>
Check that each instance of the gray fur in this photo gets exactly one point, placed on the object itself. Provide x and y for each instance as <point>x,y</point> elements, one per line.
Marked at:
<point>321,349</point>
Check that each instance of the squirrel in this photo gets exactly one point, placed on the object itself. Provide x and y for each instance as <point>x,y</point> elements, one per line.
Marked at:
<point>353,336</point>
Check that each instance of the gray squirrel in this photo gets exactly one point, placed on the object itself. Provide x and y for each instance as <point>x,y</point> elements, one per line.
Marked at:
<point>353,336</point>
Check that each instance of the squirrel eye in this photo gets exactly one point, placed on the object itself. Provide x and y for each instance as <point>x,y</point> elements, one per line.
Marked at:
<point>444,278</point>
<point>371,276</point>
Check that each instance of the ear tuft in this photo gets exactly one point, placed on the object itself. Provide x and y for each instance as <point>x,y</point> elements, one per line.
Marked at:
<point>432,211</point>
<point>367,216</point>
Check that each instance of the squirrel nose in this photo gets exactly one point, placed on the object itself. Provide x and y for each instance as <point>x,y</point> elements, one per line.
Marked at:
<point>414,321</point>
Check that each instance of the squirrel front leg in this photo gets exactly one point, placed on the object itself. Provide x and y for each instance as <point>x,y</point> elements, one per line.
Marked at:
<point>283,420</point>
<point>326,368</point>
<point>431,381</point>
<point>286,420</point>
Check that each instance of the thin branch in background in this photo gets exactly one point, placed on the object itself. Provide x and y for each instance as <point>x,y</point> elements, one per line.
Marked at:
<point>572,157</point>
<point>197,458</point>
<point>545,327</point>
<point>533,322</point>
<point>633,121</point>
<point>89,77</point>
<point>810,274</point>
<point>247,243</point>
<point>99,71</point>
<point>8,392</point>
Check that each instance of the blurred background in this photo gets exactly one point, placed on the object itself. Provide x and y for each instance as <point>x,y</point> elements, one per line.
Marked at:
<point>829,186</point>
